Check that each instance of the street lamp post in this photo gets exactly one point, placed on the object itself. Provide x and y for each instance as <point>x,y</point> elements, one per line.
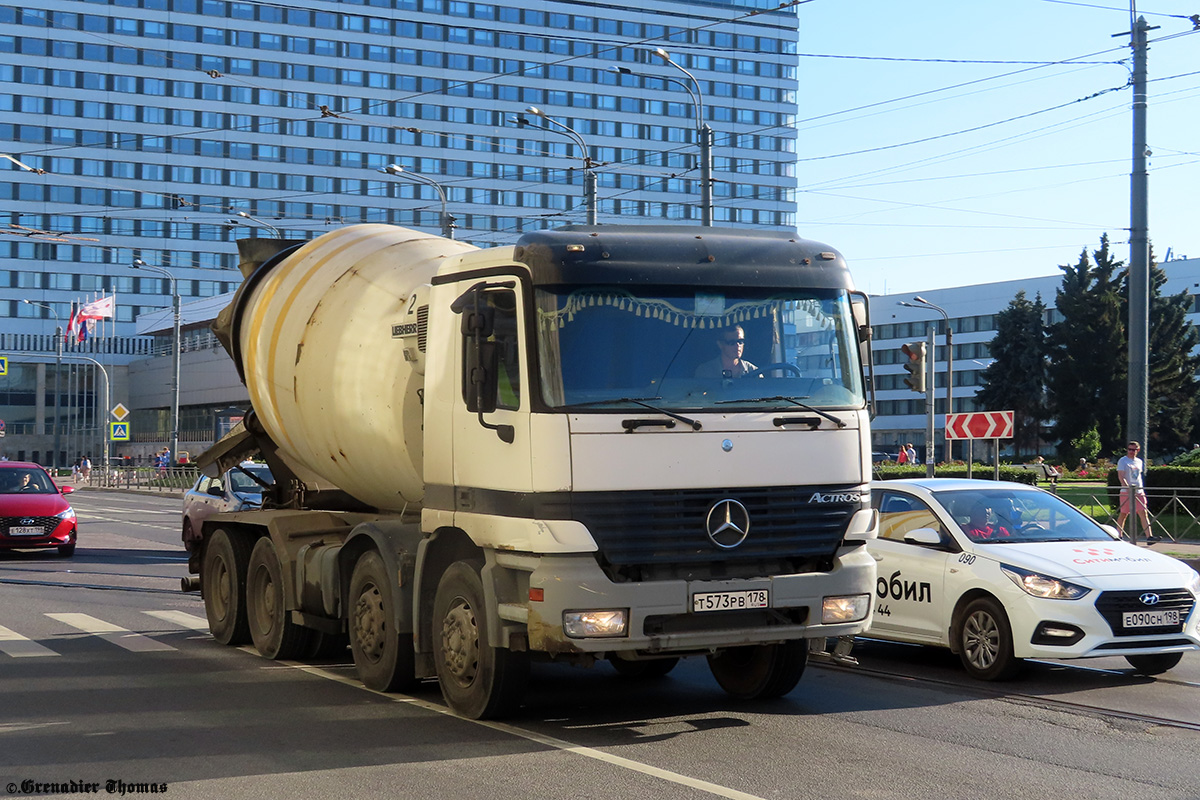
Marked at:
<point>446,219</point>
<point>58,338</point>
<point>923,303</point>
<point>107,391</point>
<point>589,175</point>
<point>705,133</point>
<point>140,264</point>
<point>244,215</point>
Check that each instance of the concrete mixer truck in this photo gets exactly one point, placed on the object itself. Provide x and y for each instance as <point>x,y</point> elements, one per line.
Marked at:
<point>620,443</point>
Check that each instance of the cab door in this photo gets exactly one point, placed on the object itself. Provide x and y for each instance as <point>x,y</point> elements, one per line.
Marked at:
<point>910,602</point>
<point>490,415</point>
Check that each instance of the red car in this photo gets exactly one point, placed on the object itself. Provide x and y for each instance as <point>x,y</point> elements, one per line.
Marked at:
<point>33,511</point>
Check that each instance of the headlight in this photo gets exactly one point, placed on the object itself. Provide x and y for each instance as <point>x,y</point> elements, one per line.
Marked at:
<point>1039,585</point>
<point>1194,586</point>
<point>68,514</point>
<point>586,624</point>
<point>845,608</point>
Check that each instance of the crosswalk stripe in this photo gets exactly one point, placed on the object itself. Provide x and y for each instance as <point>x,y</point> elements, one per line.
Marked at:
<point>18,646</point>
<point>121,637</point>
<point>181,618</point>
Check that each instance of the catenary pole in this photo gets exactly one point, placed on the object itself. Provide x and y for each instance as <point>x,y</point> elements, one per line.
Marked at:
<point>1139,252</point>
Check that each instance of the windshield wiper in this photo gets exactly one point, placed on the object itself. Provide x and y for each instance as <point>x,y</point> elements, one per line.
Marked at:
<point>793,400</point>
<point>639,401</point>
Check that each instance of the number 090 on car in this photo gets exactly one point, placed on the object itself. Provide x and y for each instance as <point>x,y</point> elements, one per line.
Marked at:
<point>729,601</point>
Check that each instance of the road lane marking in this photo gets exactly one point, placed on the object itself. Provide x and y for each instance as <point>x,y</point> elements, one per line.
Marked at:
<point>134,642</point>
<point>18,646</point>
<point>181,618</point>
<point>548,741</point>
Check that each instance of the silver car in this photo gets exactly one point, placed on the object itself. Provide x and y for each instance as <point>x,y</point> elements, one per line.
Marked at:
<point>239,489</point>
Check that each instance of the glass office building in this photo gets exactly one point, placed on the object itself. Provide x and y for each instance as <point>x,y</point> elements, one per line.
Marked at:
<point>162,130</point>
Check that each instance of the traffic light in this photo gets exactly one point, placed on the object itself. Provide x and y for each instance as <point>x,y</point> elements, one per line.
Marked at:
<point>914,365</point>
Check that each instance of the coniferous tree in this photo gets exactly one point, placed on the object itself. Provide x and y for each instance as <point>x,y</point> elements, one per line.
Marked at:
<point>1086,378</point>
<point>1172,365</point>
<point>1016,379</point>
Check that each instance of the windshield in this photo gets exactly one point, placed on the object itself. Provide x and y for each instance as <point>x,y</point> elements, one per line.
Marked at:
<point>26,481</point>
<point>1007,516</point>
<point>684,349</point>
<point>242,483</point>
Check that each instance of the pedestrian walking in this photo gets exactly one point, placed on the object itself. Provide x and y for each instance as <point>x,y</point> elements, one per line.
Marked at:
<point>1130,471</point>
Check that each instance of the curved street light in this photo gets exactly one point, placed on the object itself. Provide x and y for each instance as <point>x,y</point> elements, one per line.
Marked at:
<point>446,219</point>
<point>107,391</point>
<point>589,166</point>
<point>705,133</point>
<point>140,264</point>
<point>266,225</point>
<point>920,302</point>
<point>58,337</point>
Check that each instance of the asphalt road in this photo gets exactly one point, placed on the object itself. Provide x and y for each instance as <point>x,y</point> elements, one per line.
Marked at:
<point>107,674</point>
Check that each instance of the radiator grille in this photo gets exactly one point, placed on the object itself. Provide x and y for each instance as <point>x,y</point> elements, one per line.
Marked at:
<point>1112,605</point>
<point>662,534</point>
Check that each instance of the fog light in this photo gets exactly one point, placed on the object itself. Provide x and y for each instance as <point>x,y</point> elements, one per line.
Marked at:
<point>846,608</point>
<point>586,624</point>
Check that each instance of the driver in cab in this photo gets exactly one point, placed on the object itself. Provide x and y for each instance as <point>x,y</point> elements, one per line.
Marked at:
<point>731,343</point>
<point>978,527</point>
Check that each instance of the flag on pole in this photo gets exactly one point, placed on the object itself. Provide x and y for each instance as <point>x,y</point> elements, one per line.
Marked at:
<point>72,323</point>
<point>97,309</point>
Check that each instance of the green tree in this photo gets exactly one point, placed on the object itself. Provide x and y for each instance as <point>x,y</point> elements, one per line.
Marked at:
<point>1086,378</point>
<point>1016,379</point>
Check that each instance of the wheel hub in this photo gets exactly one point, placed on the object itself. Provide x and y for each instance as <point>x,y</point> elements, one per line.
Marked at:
<point>369,623</point>
<point>460,642</point>
<point>981,640</point>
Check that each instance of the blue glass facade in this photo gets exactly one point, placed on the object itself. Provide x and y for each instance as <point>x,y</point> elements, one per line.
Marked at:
<point>156,121</point>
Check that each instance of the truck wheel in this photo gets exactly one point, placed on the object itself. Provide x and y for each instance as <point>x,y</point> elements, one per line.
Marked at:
<point>223,584</point>
<point>1154,663</point>
<point>760,671</point>
<point>985,644</point>
<point>478,681</point>
<point>383,656</point>
<point>271,627</point>
<point>643,670</point>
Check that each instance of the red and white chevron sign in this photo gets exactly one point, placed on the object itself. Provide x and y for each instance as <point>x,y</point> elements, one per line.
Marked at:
<point>980,425</point>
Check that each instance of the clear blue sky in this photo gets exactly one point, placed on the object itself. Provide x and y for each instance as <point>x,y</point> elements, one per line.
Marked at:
<point>1031,187</point>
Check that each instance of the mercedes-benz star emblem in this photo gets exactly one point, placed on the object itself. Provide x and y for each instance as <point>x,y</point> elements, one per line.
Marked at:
<point>1149,599</point>
<point>728,523</point>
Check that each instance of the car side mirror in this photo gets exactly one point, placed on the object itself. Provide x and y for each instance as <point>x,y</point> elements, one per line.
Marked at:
<point>66,489</point>
<point>216,491</point>
<point>926,536</point>
<point>1111,531</point>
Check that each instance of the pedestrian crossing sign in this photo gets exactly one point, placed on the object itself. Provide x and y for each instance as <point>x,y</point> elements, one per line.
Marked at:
<point>118,431</point>
<point>3,365</point>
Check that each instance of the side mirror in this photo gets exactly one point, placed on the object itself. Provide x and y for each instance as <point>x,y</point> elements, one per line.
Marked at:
<point>66,489</point>
<point>1111,531</point>
<point>926,536</point>
<point>216,490</point>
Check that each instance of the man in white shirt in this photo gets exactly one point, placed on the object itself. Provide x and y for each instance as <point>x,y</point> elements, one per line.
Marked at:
<point>1130,469</point>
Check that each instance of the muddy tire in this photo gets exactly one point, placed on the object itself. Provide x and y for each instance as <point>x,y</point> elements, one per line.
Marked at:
<point>271,627</point>
<point>478,681</point>
<point>985,643</point>
<point>223,584</point>
<point>383,656</point>
<point>760,671</point>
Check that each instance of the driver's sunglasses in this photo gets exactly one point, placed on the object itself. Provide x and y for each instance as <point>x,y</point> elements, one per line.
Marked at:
<point>731,342</point>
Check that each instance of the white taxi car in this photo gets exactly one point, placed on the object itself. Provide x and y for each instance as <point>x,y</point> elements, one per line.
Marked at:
<point>999,572</point>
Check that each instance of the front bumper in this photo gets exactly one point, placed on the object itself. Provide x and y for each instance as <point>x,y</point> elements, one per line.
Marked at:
<point>63,533</point>
<point>660,616</point>
<point>1030,617</point>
